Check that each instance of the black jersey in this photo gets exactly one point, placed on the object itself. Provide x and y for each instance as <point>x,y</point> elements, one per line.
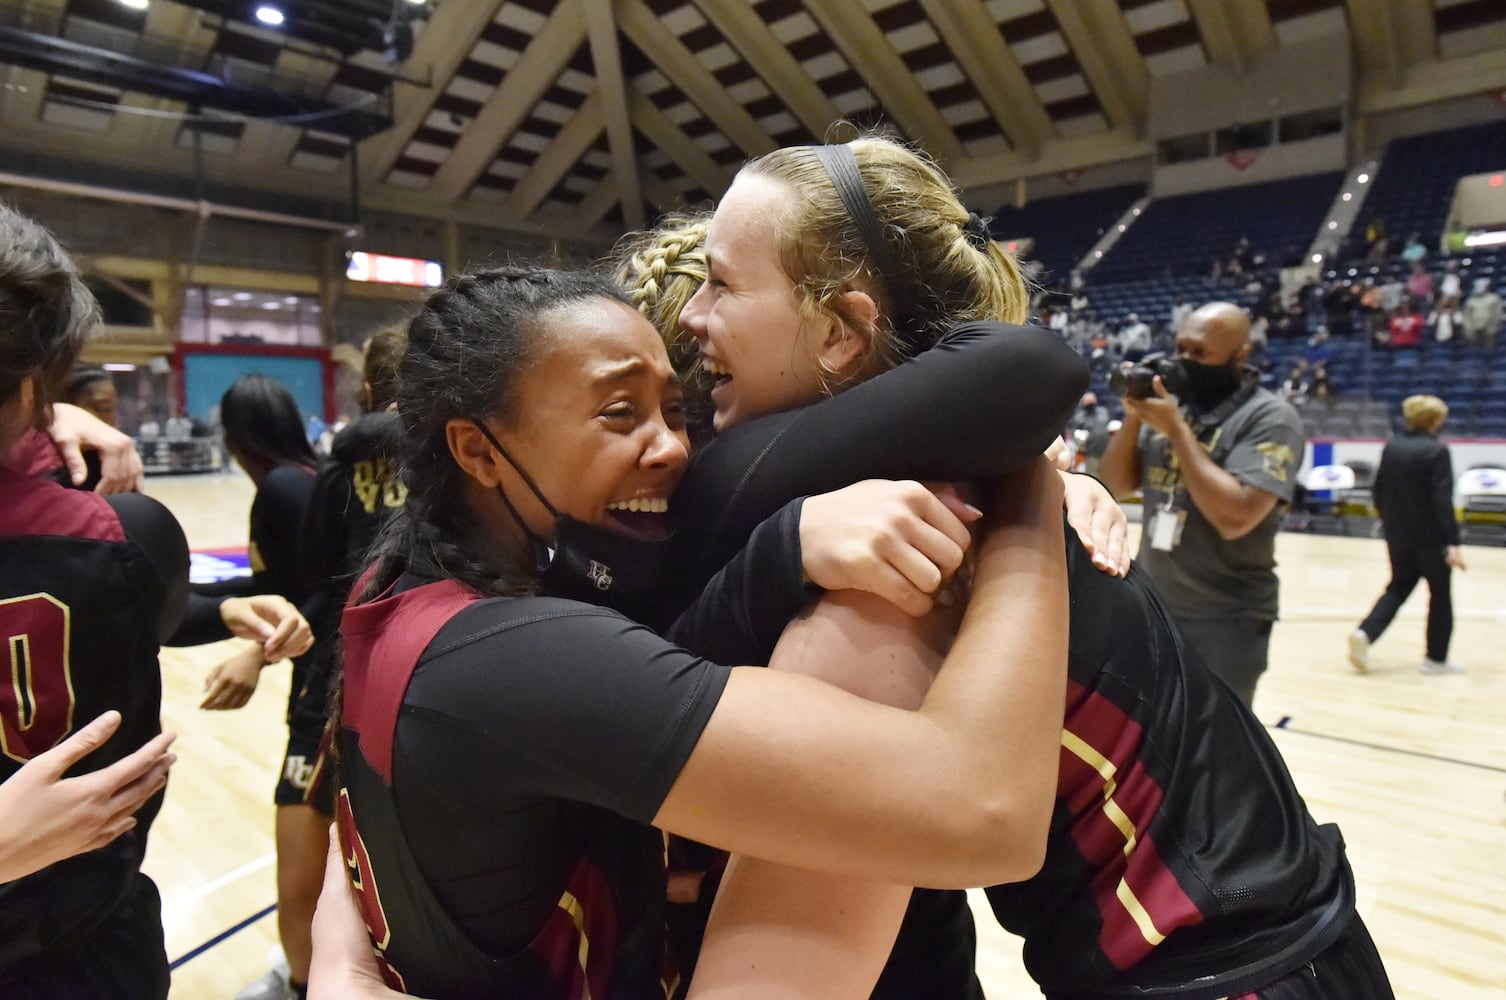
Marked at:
<point>503,759</point>
<point>1180,849</point>
<point>355,490</point>
<point>1181,858</point>
<point>90,587</point>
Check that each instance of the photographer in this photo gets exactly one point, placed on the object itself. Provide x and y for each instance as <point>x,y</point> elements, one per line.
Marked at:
<point>1216,456</point>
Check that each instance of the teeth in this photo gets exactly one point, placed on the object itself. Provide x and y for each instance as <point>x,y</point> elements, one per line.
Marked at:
<point>712,366</point>
<point>644,505</point>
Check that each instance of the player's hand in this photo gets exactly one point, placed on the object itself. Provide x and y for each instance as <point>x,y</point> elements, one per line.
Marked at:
<point>231,684</point>
<point>1454,557</point>
<point>1059,455</point>
<point>74,429</point>
<point>897,540</point>
<point>46,817</point>
<point>344,966</point>
<point>1160,412</point>
<point>1098,520</point>
<point>271,620</point>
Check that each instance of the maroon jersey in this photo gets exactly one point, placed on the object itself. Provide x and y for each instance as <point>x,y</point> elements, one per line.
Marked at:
<point>89,587</point>
<point>502,759</point>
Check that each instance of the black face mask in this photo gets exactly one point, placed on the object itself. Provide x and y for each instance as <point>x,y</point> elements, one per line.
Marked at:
<point>1089,407</point>
<point>1209,385</point>
<point>586,563</point>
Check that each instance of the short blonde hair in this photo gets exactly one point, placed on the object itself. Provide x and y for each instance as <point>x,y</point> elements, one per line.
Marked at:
<point>1423,412</point>
<point>944,276</point>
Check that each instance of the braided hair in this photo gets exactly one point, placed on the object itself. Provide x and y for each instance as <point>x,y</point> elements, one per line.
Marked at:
<point>660,269</point>
<point>466,350</point>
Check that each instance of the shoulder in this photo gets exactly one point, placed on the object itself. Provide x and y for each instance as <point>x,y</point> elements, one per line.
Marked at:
<point>550,622</point>
<point>39,506</point>
<point>1267,409</point>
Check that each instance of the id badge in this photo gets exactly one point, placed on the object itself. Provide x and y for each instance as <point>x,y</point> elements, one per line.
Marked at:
<point>1166,530</point>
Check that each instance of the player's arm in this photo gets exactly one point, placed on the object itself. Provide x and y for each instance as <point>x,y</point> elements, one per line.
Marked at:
<point>777,931</point>
<point>834,761</point>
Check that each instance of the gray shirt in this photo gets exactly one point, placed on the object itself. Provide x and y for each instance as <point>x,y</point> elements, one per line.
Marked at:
<point>1205,576</point>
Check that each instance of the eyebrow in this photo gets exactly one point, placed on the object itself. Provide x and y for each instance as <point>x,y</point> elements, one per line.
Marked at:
<point>622,371</point>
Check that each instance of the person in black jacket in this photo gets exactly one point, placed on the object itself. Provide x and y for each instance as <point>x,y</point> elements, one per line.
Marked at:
<point>1414,493</point>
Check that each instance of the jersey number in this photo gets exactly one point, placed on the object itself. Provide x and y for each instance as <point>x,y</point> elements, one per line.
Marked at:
<point>36,696</point>
<point>358,871</point>
<point>378,480</point>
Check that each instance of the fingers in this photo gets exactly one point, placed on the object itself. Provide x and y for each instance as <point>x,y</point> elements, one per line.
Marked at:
<point>293,637</point>
<point>82,743</point>
<point>226,694</point>
<point>120,471</point>
<point>244,617</point>
<point>951,498</point>
<point>73,458</point>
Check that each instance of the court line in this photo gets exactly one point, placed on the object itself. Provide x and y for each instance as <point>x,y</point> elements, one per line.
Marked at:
<point>1314,614</point>
<point>221,936</point>
<point>266,860</point>
<point>1282,725</point>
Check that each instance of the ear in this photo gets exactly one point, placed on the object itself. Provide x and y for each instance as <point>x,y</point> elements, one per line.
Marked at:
<point>848,343</point>
<point>472,452</point>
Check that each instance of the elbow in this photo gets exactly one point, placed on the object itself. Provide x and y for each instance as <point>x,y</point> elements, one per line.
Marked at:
<point>999,841</point>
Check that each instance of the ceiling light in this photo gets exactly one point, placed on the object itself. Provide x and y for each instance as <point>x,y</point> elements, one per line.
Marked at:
<point>1347,196</point>
<point>1317,258</point>
<point>269,15</point>
<point>1363,178</point>
<point>271,305</point>
<point>291,300</point>
<point>243,296</point>
<point>1333,225</point>
<point>219,302</point>
<point>120,366</point>
<point>134,5</point>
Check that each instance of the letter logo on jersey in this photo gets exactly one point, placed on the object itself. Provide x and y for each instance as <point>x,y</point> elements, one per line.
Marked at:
<point>600,574</point>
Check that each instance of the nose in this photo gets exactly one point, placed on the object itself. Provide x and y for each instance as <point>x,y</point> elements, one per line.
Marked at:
<point>668,449</point>
<point>693,315</point>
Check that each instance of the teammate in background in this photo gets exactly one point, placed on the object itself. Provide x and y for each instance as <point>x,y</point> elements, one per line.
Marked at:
<point>92,586</point>
<point>1414,493</point>
<point>264,433</point>
<point>92,389</point>
<point>1216,469</point>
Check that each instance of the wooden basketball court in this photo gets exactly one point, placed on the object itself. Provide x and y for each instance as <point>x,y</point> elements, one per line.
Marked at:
<point>1412,767</point>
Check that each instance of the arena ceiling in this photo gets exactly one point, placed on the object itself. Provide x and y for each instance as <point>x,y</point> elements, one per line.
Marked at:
<point>582,117</point>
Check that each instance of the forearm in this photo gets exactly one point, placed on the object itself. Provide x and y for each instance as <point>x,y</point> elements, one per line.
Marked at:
<point>1119,469</point>
<point>1001,692</point>
<point>1233,508</point>
<point>201,622</point>
<point>778,932</point>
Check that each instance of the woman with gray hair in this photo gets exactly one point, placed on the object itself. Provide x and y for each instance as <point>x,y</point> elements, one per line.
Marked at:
<point>1414,493</point>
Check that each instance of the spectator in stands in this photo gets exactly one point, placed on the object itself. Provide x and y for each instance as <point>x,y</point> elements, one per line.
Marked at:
<point>1450,286</point>
<point>1134,338</point>
<point>1090,429</point>
<point>1215,475</point>
<point>1393,292</point>
<point>1420,288</point>
<point>1322,386</point>
<point>1376,243</point>
<point>1482,316</point>
<point>1405,327</point>
<point>92,389</point>
<point>1294,390</point>
<point>1179,313</point>
<point>1317,350</point>
<point>1444,320</point>
<point>1340,299</point>
<point>1414,251</point>
<point>1414,492</point>
<point>1373,315</point>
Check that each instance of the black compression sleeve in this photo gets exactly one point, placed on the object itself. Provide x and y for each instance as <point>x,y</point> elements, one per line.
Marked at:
<point>740,615</point>
<point>157,534</point>
<point>985,400</point>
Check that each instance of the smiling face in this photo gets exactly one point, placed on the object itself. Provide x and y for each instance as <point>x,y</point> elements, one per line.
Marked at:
<point>597,423</point>
<point>760,349</point>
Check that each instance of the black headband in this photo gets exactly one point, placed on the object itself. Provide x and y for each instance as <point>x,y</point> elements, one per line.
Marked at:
<point>842,168</point>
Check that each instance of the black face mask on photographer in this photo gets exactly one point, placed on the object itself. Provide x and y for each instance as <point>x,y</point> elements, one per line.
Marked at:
<point>585,563</point>
<point>1209,385</point>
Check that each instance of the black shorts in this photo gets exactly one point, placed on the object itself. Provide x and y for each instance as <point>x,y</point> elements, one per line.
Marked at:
<point>1348,968</point>
<point>124,957</point>
<point>305,778</point>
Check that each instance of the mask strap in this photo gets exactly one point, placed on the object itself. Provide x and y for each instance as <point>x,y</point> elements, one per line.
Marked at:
<point>528,480</point>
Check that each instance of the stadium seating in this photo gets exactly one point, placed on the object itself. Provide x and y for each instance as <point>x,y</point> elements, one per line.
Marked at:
<point>1064,228</point>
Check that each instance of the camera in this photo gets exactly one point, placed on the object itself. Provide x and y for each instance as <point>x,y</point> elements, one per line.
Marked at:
<point>1137,382</point>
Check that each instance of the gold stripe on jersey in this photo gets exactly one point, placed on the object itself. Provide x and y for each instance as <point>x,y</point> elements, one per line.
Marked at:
<point>577,913</point>
<point>1083,751</point>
